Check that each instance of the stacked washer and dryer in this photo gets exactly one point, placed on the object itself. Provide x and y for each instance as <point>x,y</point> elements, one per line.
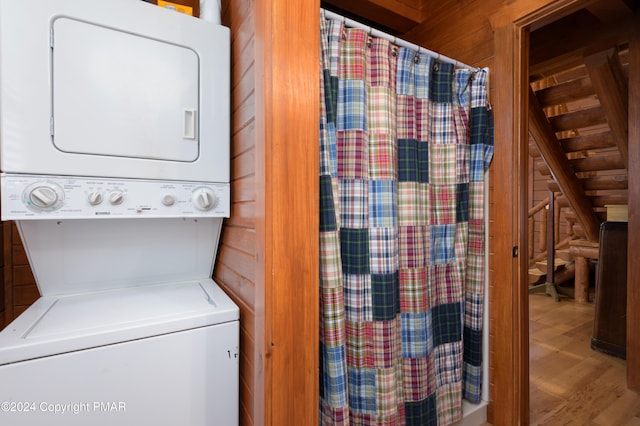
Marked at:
<point>114,145</point>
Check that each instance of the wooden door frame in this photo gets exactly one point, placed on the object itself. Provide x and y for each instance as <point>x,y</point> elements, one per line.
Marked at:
<point>508,289</point>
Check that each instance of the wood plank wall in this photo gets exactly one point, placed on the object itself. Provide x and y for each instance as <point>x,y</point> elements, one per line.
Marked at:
<point>268,258</point>
<point>19,285</point>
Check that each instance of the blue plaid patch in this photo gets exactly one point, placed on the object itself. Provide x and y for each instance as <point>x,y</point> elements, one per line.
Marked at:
<point>352,107</point>
<point>462,202</point>
<point>362,389</point>
<point>414,335</point>
<point>422,413</point>
<point>327,207</point>
<point>383,204</point>
<point>442,239</point>
<point>405,69</point>
<point>334,377</point>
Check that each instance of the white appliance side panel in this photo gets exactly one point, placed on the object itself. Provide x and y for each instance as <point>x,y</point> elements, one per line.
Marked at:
<point>75,256</point>
<point>119,94</point>
<point>185,378</point>
<point>26,144</point>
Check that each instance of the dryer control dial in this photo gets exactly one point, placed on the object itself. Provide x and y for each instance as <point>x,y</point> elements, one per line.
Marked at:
<point>204,199</point>
<point>116,197</point>
<point>43,196</point>
<point>95,198</point>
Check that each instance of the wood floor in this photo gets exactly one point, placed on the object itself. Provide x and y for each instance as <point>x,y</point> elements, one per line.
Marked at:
<point>570,383</point>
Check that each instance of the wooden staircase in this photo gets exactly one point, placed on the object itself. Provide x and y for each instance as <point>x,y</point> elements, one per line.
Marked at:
<point>578,125</point>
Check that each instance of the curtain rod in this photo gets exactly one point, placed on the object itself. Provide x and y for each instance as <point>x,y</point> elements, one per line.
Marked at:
<point>400,42</point>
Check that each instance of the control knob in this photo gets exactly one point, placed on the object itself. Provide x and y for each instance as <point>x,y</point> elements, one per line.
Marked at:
<point>43,197</point>
<point>95,198</point>
<point>116,197</point>
<point>204,199</point>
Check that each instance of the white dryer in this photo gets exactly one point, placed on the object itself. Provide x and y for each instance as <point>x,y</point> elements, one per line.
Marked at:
<point>114,152</point>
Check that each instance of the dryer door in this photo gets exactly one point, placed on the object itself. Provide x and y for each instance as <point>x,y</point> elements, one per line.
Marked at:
<point>124,95</point>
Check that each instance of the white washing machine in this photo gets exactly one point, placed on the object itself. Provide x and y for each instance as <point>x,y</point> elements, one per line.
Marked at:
<point>114,151</point>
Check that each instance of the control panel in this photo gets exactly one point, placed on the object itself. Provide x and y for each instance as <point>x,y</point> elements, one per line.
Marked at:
<point>56,197</point>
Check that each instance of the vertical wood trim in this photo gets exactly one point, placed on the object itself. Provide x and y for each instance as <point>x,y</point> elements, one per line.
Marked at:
<point>509,394</point>
<point>287,52</point>
<point>633,272</point>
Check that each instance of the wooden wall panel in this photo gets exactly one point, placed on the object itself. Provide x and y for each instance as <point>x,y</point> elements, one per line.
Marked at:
<point>268,258</point>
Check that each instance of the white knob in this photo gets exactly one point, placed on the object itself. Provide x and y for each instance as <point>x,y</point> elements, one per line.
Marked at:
<point>95,198</point>
<point>204,199</point>
<point>116,197</point>
<point>168,200</point>
<point>43,197</point>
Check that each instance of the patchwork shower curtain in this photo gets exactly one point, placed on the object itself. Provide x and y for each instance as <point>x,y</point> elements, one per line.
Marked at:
<point>404,144</point>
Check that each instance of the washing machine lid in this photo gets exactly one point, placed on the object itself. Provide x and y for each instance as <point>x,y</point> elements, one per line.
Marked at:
<point>60,324</point>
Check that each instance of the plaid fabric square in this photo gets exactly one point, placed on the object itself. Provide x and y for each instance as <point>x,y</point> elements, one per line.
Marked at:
<point>383,250</point>
<point>463,154</point>
<point>476,201</point>
<point>461,126</point>
<point>334,377</point>
<point>422,413</point>
<point>405,117</point>
<point>386,347</point>
<point>414,335</point>
<point>382,64</point>
<point>443,164</point>
<point>423,162</point>
<point>447,323</point>
<point>383,203</point>
<point>331,34</point>
<point>442,242</point>
<point>476,163</point>
<point>475,275</point>
<point>462,87</point>
<point>443,125</point>
<point>354,246</point>
<point>423,120</point>
<point>441,83</point>
<point>352,54</point>
<point>412,208</point>
<point>333,316</point>
<point>476,237</point>
<point>462,202</point>
<point>385,296</point>
<point>462,240</point>
<point>359,344</point>
<point>353,154</point>
<point>479,125</point>
<point>407,160</point>
<point>354,195</point>
<point>328,153</point>
<point>381,109</point>
<point>382,157</point>
<point>387,395</point>
<point>448,362</point>
<point>357,298</point>
<point>472,347</point>
<point>328,220</point>
<point>358,418</point>
<point>330,264</point>
<point>473,304</point>
<point>332,416</point>
<point>472,383</point>
<point>413,290</point>
<point>330,92</point>
<point>362,389</point>
<point>352,107</point>
<point>447,283</point>
<point>422,72</point>
<point>405,72</point>
<point>413,245</point>
<point>419,378</point>
<point>449,403</point>
<point>443,204</point>
<point>479,89</point>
